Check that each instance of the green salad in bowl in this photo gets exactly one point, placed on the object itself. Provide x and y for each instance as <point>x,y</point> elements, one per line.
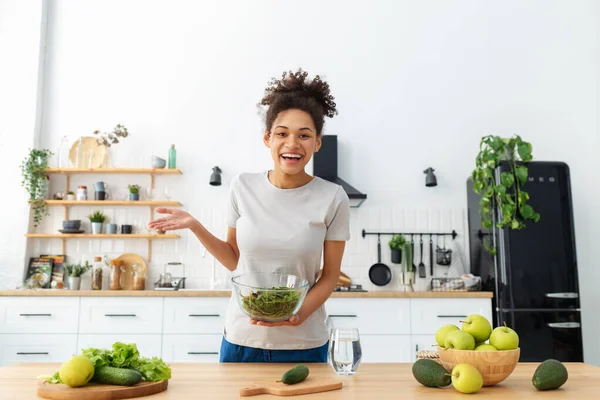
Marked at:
<point>270,297</point>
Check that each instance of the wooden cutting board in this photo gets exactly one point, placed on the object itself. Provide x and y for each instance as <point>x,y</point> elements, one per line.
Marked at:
<point>94,391</point>
<point>310,385</point>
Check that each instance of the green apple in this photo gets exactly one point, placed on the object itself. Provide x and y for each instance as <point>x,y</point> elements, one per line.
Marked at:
<point>441,333</point>
<point>459,340</point>
<point>504,338</point>
<point>77,371</point>
<point>485,347</point>
<point>478,326</point>
<point>477,344</point>
<point>466,378</point>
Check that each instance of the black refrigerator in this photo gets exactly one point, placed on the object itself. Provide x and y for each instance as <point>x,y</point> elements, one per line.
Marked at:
<point>534,274</point>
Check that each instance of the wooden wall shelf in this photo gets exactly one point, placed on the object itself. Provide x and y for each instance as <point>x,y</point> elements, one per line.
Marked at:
<point>155,203</point>
<point>152,171</point>
<point>100,236</point>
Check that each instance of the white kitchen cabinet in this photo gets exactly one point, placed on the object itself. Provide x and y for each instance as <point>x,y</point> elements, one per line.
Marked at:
<point>121,315</point>
<point>195,315</point>
<point>421,342</point>
<point>191,348</point>
<point>147,345</point>
<point>385,348</point>
<point>428,315</point>
<point>39,315</point>
<point>370,316</point>
<point>36,348</point>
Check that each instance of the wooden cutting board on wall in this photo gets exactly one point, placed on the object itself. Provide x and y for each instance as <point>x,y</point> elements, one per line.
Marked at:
<point>93,391</point>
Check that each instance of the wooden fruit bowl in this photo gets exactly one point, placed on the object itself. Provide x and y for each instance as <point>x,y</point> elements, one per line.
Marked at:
<point>494,366</point>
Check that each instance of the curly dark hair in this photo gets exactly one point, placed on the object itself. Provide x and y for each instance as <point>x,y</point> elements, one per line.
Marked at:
<point>294,91</point>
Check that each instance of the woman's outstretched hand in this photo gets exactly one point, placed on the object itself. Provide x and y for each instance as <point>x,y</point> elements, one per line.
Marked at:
<point>294,320</point>
<point>174,219</point>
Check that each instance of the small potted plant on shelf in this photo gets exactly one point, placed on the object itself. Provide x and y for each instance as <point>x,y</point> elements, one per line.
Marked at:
<point>97,219</point>
<point>134,192</point>
<point>396,245</point>
<point>504,197</point>
<point>35,181</point>
<point>74,272</point>
<point>71,196</point>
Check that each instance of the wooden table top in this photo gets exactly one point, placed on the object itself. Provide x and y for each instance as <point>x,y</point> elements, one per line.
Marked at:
<point>376,381</point>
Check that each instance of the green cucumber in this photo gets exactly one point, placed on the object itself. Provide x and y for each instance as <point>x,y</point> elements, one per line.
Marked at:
<point>116,376</point>
<point>295,375</point>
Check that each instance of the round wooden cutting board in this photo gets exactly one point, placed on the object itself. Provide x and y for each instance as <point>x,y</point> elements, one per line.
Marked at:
<point>94,391</point>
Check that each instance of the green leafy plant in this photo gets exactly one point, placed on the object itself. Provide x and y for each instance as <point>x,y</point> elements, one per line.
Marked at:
<point>35,181</point>
<point>397,242</point>
<point>76,270</point>
<point>106,139</point>
<point>70,193</point>
<point>134,189</point>
<point>97,216</point>
<point>507,193</point>
<point>278,303</point>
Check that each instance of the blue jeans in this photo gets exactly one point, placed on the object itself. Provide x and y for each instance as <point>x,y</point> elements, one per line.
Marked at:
<point>234,353</point>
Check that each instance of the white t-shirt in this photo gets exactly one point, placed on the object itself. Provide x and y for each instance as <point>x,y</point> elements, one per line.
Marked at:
<point>285,228</point>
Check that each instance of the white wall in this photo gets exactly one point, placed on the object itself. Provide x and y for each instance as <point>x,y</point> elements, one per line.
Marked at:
<point>416,83</point>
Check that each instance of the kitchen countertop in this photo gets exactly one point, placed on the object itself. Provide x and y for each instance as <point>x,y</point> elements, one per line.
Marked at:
<point>227,293</point>
<point>373,381</point>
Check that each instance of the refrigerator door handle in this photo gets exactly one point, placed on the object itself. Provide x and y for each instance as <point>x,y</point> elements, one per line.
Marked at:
<point>567,295</point>
<point>564,325</point>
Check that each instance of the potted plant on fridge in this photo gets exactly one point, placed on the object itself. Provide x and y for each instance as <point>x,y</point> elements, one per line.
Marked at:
<point>396,244</point>
<point>134,192</point>
<point>505,194</point>
<point>74,272</point>
<point>97,219</point>
<point>35,181</point>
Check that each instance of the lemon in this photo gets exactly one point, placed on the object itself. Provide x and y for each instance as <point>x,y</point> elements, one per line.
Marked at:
<point>77,371</point>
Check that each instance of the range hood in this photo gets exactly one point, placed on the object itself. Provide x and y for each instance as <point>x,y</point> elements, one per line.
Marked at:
<point>325,166</point>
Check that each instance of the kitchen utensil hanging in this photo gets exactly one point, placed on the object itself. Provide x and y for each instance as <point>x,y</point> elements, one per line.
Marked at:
<point>379,273</point>
<point>431,254</point>
<point>422,273</point>
<point>443,255</point>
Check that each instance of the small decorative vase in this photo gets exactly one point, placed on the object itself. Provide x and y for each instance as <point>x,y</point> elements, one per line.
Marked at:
<point>96,228</point>
<point>134,196</point>
<point>396,256</point>
<point>73,282</point>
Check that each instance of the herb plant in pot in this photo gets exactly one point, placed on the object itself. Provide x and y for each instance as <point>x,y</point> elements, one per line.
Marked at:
<point>71,196</point>
<point>97,219</point>
<point>396,245</point>
<point>504,199</point>
<point>134,192</point>
<point>35,181</point>
<point>74,272</point>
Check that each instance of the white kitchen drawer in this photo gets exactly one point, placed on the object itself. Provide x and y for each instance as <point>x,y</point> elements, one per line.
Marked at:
<point>37,348</point>
<point>428,315</point>
<point>39,314</point>
<point>191,348</point>
<point>422,342</point>
<point>370,316</point>
<point>195,315</point>
<point>385,348</point>
<point>147,345</point>
<point>121,315</point>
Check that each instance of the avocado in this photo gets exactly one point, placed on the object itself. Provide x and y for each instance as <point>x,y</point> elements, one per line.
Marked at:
<point>431,374</point>
<point>295,375</point>
<point>116,376</point>
<point>550,374</point>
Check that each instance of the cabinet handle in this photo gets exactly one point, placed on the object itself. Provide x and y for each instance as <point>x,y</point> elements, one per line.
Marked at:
<point>193,353</point>
<point>204,315</point>
<point>35,315</point>
<point>564,325</point>
<point>23,353</point>
<point>120,315</point>
<point>342,316</point>
<point>452,316</point>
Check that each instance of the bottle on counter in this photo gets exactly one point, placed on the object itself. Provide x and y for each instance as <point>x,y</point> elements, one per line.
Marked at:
<point>172,162</point>
<point>97,274</point>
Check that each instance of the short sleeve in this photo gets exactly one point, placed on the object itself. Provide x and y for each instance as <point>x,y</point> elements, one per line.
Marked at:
<point>233,213</point>
<point>338,218</point>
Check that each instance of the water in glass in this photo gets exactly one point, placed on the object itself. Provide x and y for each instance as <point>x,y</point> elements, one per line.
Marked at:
<point>345,352</point>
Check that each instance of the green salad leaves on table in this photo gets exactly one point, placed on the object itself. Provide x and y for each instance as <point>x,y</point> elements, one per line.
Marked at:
<point>279,303</point>
<point>123,355</point>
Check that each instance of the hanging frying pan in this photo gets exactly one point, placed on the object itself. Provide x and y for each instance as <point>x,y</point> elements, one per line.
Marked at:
<point>379,273</point>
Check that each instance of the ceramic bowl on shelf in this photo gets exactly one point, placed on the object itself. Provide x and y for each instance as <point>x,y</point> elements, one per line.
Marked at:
<point>71,224</point>
<point>270,297</point>
<point>158,162</point>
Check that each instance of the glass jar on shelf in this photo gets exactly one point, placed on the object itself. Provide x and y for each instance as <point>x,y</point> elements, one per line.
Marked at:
<point>115,274</point>
<point>97,274</point>
<point>139,277</point>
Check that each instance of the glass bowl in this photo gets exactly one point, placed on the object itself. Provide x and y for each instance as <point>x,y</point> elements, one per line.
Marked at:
<point>270,297</point>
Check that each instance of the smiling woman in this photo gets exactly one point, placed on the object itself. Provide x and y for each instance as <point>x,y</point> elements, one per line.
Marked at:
<point>281,221</point>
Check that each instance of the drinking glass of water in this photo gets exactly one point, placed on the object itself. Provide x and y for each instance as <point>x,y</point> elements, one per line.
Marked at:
<point>344,352</point>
